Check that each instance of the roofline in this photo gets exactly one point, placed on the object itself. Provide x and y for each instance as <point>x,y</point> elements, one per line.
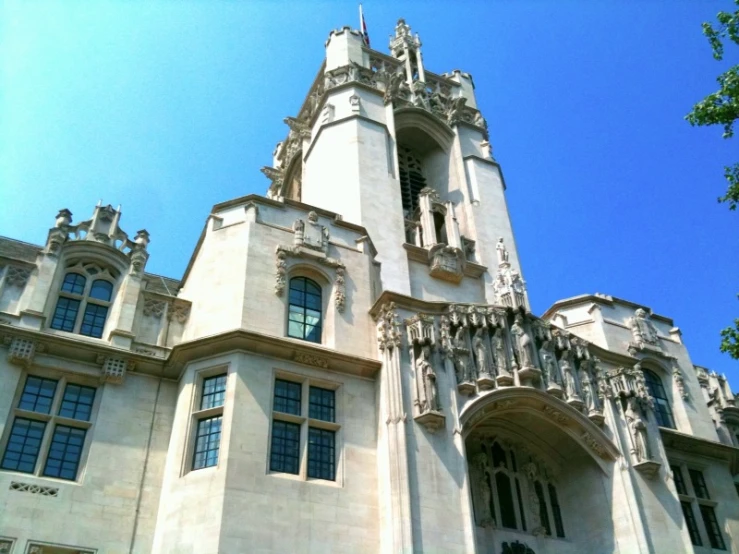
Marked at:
<point>599,298</point>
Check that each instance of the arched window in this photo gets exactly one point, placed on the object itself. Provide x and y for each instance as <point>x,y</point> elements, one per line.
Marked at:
<point>505,492</point>
<point>412,180</point>
<point>305,310</point>
<point>662,410</point>
<point>84,301</point>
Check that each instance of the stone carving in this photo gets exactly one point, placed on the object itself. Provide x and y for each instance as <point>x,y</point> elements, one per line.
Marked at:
<point>21,351</point>
<point>677,375</point>
<point>522,343</point>
<point>281,275</point>
<point>5,546</point>
<point>482,474</point>
<point>103,227</point>
<point>456,349</point>
<point>421,340</point>
<point>430,398</point>
<point>180,311</point>
<point>154,307</point>
<point>388,328</point>
<point>315,255</point>
<point>568,377</point>
<point>114,369</point>
<point>447,262</point>
<point>643,331</point>
<point>33,489</point>
<point>627,382</point>
<point>549,366</point>
<point>638,431</point>
<point>516,547</point>
<point>356,103</point>
<point>556,415</point>
<point>276,177</point>
<point>17,276</point>
<point>456,110</point>
<point>586,386</point>
<point>593,444</point>
<point>311,359</point>
<point>501,364</point>
<point>509,287</point>
<point>311,235</point>
<point>340,289</point>
<point>485,375</point>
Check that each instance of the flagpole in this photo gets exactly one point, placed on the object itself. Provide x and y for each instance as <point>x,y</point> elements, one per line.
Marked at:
<point>361,22</point>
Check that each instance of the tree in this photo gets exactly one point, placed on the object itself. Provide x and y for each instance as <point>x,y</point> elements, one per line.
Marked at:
<point>722,108</point>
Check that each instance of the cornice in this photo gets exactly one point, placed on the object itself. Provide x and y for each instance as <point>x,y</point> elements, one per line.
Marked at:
<point>681,442</point>
<point>603,299</point>
<point>281,348</point>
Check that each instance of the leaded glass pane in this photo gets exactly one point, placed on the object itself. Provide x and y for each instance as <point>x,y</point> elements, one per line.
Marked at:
<point>287,397</point>
<point>77,402</point>
<point>662,410</point>
<point>321,454</point>
<point>74,283</point>
<point>304,310</point>
<point>37,395</point>
<point>207,443</point>
<point>23,445</point>
<point>285,450</point>
<point>65,314</point>
<point>322,404</point>
<point>102,290</point>
<point>214,392</point>
<point>65,452</point>
<point>695,536</point>
<point>93,321</point>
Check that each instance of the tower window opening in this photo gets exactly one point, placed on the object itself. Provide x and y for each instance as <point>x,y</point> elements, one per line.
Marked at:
<point>412,180</point>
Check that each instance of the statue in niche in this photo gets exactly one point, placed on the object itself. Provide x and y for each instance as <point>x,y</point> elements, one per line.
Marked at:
<point>586,386</point>
<point>500,352</point>
<point>430,400</point>
<point>483,476</point>
<point>643,330</point>
<point>638,431</point>
<point>502,252</point>
<point>549,363</point>
<point>568,375</point>
<point>464,368</point>
<point>482,354</point>
<point>523,342</point>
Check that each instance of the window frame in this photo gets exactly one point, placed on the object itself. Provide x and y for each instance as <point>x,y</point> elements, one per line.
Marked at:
<point>197,415</point>
<point>323,299</point>
<point>51,421</point>
<point>662,403</point>
<point>84,299</point>
<point>306,423</point>
<point>698,503</point>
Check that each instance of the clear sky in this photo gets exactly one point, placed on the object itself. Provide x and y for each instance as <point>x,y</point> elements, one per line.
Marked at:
<point>168,107</point>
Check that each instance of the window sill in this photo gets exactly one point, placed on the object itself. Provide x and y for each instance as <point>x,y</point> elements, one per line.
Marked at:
<point>301,479</point>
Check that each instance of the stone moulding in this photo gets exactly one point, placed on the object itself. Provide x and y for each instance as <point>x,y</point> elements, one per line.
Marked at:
<point>114,368</point>
<point>648,468</point>
<point>283,252</point>
<point>21,350</point>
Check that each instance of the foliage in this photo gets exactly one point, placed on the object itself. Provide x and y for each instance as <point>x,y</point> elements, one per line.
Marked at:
<point>722,106</point>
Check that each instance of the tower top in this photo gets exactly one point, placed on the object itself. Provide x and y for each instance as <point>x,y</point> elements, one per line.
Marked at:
<point>403,41</point>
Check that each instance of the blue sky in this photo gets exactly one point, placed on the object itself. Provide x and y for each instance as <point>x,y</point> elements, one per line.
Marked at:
<point>168,107</point>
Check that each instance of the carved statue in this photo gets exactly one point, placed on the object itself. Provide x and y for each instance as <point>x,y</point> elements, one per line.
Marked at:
<point>586,386</point>
<point>522,341</point>
<point>482,354</point>
<point>456,110</point>
<point>430,400</point>
<point>549,363</point>
<point>483,474</point>
<point>464,369</point>
<point>643,330</point>
<point>568,375</point>
<point>638,431</point>
<point>502,252</point>
<point>500,352</point>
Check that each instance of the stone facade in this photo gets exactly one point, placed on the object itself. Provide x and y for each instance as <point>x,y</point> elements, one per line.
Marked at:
<point>349,364</point>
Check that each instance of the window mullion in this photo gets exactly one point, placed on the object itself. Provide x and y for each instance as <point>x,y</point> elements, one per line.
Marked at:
<point>43,452</point>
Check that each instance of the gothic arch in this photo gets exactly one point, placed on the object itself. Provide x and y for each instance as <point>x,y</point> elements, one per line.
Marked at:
<point>539,414</point>
<point>415,123</point>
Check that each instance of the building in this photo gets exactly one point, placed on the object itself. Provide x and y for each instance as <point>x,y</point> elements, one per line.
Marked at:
<point>349,372</point>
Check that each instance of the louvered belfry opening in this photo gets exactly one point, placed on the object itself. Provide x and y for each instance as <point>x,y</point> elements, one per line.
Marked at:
<point>412,180</point>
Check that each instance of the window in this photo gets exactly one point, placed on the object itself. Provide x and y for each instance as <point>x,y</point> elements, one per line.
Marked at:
<point>84,300</point>
<point>305,310</point>
<point>295,421</point>
<point>694,495</point>
<point>208,419</point>
<point>502,493</point>
<point>50,427</point>
<point>412,180</point>
<point>662,410</point>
